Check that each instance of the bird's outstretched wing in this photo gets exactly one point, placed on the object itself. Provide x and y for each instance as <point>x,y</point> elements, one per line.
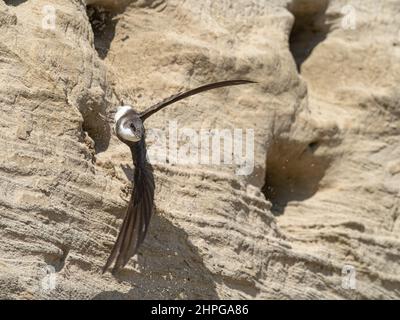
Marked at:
<point>182,95</point>
<point>137,219</point>
<point>136,222</point>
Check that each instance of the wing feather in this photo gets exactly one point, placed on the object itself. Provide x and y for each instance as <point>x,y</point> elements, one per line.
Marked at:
<point>137,219</point>
<point>182,95</point>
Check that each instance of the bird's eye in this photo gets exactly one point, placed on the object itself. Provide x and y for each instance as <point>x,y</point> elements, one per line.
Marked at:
<point>132,125</point>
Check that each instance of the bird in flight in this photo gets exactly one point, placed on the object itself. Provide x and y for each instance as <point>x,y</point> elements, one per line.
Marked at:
<point>130,130</point>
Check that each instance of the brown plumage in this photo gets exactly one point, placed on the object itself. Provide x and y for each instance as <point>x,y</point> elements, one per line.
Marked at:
<point>130,130</point>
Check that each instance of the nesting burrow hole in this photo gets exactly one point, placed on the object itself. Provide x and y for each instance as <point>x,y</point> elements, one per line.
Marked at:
<point>293,173</point>
<point>310,28</point>
<point>103,22</point>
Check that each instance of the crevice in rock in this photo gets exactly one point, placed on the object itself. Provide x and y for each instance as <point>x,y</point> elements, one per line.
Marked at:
<point>14,3</point>
<point>103,22</point>
<point>294,172</point>
<point>310,28</point>
<point>98,130</point>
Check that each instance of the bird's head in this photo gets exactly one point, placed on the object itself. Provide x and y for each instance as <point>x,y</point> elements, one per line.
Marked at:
<point>128,125</point>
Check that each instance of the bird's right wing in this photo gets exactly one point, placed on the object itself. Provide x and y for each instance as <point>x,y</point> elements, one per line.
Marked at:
<point>182,95</point>
<point>137,219</point>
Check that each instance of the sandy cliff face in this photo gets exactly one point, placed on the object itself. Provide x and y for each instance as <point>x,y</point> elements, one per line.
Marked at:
<point>324,192</point>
